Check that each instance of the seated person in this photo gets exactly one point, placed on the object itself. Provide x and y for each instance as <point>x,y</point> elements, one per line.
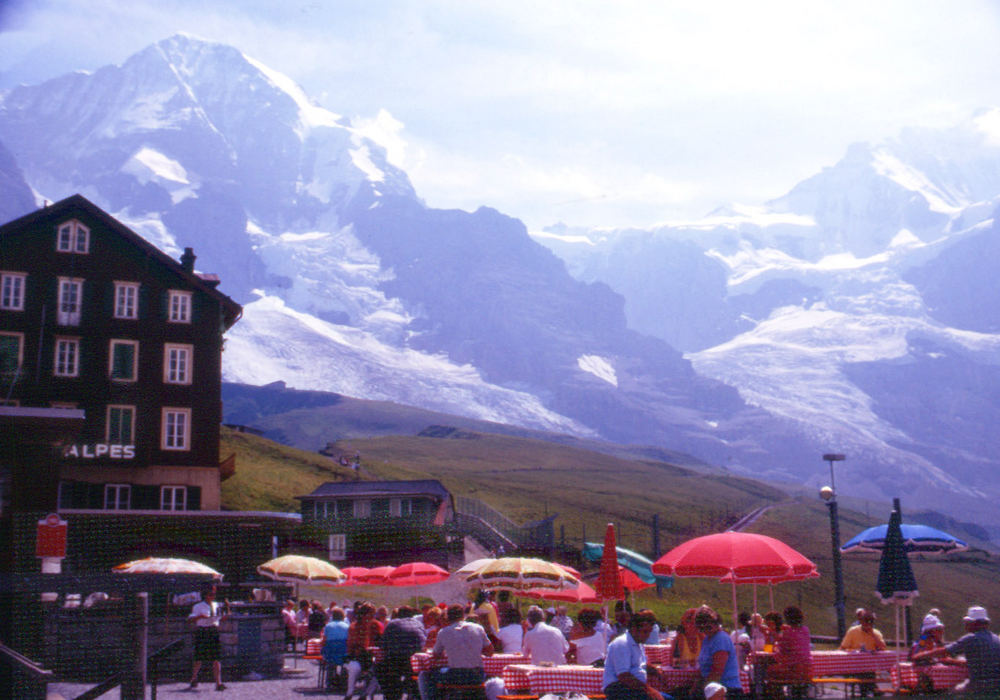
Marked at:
<point>511,632</point>
<point>543,643</point>
<point>464,643</point>
<point>334,643</point>
<point>587,643</point>
<point>792,653</point>
<point>863,636</point>
<point>981,649</point>
<point>687,643</point>
<point>626,675</point>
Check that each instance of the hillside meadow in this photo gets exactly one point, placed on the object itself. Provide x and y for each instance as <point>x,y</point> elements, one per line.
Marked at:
<point>528,479</point>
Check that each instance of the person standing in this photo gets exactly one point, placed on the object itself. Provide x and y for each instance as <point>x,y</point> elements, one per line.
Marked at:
<point>207,616</point>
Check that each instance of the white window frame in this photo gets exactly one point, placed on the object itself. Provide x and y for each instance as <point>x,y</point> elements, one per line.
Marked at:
<point>72,237</point>
<point>169,499</point>
<point>111,359</point>
<point>108,423</point>
<point>20,349</point>
<point>12,285</point>
<point>113,495</point>
<point>67,314</point>
<point>126,300</point>
<point>362,508</point>
<point>178,306</point>
<point>178,363</point>
<point>336,547</point>
<point>66,361</point>
<point>170,437</point>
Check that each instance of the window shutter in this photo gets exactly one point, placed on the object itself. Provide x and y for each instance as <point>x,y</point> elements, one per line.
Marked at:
<point>194,498</point>
<point>146,497</point>
<point>95,496</point>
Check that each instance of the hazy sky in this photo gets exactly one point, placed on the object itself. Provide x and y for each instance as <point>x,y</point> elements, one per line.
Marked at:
<point>593,113</point>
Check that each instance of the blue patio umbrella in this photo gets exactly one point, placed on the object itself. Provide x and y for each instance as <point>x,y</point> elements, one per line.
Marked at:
<point>633,561</point>
<point>916,538</point>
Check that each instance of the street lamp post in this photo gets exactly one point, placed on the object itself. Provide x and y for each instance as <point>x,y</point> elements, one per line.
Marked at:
<point>829,494</point>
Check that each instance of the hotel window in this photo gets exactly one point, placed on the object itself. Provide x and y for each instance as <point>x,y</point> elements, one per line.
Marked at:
<point>121,425</point>
<point>117,496</point>
<point>177,363</point>
<point>336,547</point>
<point>398,507</point>
<point>362,509</point>
<point>73,237</point>
<point>67,361</point>
<point>176,429</point>
<point>123,360</point>
<point>179,306</point>
<point>11,349</point>
<point>173,498</point>
<point>126,300</point>
<point>70,298</point>
<point>12,291</point>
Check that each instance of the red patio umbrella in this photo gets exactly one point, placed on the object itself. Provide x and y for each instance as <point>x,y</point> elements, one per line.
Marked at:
<point>417,573</point>
<point>353,573</point>
<point>609,582</point>
<point>580,594</point>
<point>379,576</point>
<point>632,582</point>
<point>737,555</point>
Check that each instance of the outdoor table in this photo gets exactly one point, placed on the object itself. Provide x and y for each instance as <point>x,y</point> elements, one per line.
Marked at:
<point>943,676</point>
<point>554,679</point>
<point>492,665</point>
<point>852,663</point>
<point>660,654</point>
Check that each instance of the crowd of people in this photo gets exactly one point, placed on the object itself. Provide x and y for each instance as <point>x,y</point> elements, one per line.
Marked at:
<point>464,634</point>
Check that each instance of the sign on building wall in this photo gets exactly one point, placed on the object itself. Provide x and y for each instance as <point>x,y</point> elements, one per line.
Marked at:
<point>100,451</point>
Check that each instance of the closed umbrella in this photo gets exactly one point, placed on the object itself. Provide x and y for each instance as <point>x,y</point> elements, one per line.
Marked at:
<point>896,584</point>
<point>521,573</point>
<point>609,582</point>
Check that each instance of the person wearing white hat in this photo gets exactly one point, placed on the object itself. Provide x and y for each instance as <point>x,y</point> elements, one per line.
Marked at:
<point>981,649</point>
<point>715,691</point>
<point>931,634</point>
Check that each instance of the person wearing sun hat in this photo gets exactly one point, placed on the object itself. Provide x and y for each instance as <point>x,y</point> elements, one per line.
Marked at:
<point>981,649</point>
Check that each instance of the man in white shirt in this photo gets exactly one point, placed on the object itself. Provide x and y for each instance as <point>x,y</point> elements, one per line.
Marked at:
<point>543,643</point>
<point>207,616</point>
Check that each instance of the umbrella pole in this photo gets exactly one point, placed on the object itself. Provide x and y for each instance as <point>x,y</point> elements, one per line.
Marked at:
<point>770,590</point>
<point>755,599</point>
<point>735,612</point>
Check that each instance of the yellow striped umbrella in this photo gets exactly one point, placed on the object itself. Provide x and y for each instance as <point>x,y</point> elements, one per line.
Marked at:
<point>521,573</point>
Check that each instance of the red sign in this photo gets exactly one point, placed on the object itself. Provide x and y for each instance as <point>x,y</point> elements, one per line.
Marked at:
<point>51,537</point>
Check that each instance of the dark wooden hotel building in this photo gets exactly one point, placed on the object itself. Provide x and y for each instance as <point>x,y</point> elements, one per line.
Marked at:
<point>94,318</point>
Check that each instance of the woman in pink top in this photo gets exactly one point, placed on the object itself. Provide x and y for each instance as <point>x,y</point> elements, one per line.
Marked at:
<point>792,653</point>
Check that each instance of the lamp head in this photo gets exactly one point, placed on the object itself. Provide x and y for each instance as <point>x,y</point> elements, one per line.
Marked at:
<point>826,493</point>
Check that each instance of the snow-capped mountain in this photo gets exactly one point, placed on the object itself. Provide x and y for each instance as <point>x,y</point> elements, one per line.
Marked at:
<point>862,305</point>
<point>823,320</point>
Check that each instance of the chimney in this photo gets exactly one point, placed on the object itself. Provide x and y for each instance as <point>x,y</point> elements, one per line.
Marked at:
<point>187,260</point>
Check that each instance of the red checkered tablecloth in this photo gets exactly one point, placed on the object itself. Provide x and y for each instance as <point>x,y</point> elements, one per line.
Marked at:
<point>492,665</point>
<point>943,676</point>
<point>659,654</point>
<point>848,663</point>
<point>554,679</point>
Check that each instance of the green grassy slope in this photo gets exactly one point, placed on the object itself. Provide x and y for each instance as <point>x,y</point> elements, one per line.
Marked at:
<point>527,479</point>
